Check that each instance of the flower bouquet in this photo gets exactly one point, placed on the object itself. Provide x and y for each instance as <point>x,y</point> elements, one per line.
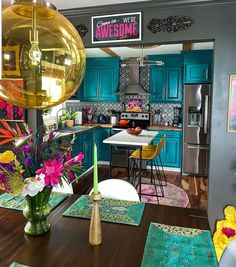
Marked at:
<point>31,166</point>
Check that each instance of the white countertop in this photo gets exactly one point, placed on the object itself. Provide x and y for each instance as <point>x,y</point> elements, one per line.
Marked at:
<point>123,138</point>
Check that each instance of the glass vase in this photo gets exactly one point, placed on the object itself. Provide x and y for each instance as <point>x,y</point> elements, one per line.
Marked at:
<point>36,212</point>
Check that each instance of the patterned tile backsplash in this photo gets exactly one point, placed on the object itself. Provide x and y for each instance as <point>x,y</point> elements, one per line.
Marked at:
<point>166,109</point>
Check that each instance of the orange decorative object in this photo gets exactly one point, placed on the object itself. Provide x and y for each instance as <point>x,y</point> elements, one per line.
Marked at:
<point>225,231</point>
<point>123,122</point>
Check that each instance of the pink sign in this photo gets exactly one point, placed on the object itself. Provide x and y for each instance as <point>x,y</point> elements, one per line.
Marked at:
<point>116,28</point>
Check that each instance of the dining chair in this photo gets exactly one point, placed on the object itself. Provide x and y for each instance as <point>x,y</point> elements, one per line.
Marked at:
<point>117,189</point>
<point>152,154</point>
<point>228,258</point>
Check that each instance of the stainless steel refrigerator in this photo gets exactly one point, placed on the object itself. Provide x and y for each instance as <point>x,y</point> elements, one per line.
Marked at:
<point>196,129</point>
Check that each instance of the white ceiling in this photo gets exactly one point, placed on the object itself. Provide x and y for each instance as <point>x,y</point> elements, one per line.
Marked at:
<point>62,4</point>
<point>125,52</point>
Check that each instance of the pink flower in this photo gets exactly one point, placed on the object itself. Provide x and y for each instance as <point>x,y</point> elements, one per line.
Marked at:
<point>229,232</point>
<point>20,111</point>
<point>79,157</point>
<point>2,104</point>
<point>52,171</point>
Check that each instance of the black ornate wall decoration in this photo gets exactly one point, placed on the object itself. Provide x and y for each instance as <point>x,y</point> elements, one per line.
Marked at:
<point>170,24</point>
<point>82,30</point>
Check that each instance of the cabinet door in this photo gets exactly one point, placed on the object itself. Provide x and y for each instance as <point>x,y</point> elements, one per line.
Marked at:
<point>78,145</point>
<point>104,148</point>
<point>174,86</point>
<point>88,150</point>
<point>108,84</point>
<point>90,85</point>
<point>157,86</point>
<point>172,152</point>
<point>198,73</point>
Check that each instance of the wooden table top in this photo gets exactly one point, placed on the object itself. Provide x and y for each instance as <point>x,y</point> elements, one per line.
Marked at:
<point>67,242</point>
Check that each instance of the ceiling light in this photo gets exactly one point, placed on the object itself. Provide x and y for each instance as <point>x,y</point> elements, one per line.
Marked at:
<point>39,45</point>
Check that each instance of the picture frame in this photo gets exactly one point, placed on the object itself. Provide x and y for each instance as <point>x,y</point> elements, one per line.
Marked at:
<point>232,104</point>
<point>11,60</point>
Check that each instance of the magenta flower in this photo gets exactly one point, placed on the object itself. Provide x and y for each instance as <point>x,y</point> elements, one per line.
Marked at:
<point>79,157</point>
<point>229,232</point>
<point>26,148</point>
<point>52,169</point>
<point>28,162</point>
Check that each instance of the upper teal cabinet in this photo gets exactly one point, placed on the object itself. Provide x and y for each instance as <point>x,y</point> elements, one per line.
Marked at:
<point>101,80</point>
<point>166,80</point>
<point>198,66</point>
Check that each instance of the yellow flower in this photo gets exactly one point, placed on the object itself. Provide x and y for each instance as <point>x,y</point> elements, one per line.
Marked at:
<point>19,168</point>
<point>15,183</point>
<point>7,157</point>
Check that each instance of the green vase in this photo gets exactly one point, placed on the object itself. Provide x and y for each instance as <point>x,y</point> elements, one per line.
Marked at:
<point>36,212</point>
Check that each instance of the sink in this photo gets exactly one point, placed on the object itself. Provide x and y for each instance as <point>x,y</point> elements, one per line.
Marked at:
<point>75,129</point>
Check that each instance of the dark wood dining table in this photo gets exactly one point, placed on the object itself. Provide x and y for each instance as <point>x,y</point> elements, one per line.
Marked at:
<point>67,243</point>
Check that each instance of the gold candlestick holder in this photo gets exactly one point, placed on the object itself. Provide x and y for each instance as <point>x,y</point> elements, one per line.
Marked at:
<point>95,233</point>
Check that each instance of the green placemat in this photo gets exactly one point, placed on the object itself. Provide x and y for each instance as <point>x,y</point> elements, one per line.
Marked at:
<point>9,201</point>
<point>173,246</point>
<point>111,210</point>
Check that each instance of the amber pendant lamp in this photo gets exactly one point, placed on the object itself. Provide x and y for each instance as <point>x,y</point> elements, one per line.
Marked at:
<point>42,54</point>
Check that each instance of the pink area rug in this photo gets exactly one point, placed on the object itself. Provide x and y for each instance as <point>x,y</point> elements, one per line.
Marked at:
<point>173,195</point>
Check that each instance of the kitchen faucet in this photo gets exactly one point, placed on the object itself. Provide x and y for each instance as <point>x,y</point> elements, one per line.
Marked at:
<point>57,118</point>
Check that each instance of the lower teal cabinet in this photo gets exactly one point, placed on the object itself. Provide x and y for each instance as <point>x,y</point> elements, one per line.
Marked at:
<point>171,154</point>
<point>84,142</point>
<point>103,148</point>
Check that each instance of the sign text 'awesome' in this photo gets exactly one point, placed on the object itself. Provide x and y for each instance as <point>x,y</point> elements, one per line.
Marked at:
<point>116,28</point>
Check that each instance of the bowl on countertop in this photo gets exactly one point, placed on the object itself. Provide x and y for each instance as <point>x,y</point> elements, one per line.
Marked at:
<point>134,131</point>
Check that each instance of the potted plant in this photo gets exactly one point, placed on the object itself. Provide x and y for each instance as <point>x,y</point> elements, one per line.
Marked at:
<point>69,117</point>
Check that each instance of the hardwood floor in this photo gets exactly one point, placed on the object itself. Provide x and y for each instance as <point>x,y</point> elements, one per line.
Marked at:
<point>196,187</point>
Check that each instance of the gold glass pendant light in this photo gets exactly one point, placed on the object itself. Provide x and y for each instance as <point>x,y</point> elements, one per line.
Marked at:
<point>43,55</point>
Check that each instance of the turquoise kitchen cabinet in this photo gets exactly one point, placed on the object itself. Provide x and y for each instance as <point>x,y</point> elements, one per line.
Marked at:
<point>84,142</point>
<point>198,66</point>
<point>101,80</point>
<point>103,148</point>
<point>157,85</point>
<point>171,154</point>
<point>166,80</point>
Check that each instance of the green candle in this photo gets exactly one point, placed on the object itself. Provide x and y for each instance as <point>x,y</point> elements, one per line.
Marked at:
<point>95,170</point>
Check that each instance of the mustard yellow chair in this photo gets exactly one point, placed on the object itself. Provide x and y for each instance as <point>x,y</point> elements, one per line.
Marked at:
<point>150,154</point>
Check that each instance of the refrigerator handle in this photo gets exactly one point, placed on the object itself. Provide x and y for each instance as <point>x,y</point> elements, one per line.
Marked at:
<point>198,147</point>
<point>206,115</point>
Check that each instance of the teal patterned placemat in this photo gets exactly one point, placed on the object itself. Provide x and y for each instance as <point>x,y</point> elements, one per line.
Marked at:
<point>174,246</point>
<point>9,201</point>
<point>111,210</point>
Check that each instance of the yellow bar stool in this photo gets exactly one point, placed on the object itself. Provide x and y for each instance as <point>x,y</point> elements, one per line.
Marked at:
<point>151,154</point>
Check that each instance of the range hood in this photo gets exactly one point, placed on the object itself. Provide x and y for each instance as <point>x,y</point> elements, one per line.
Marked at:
<point>134,88</point>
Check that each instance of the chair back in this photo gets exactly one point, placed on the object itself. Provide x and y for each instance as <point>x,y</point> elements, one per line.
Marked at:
<point>117,189</point>
<point>159,146</point>
<point>228,258</point>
